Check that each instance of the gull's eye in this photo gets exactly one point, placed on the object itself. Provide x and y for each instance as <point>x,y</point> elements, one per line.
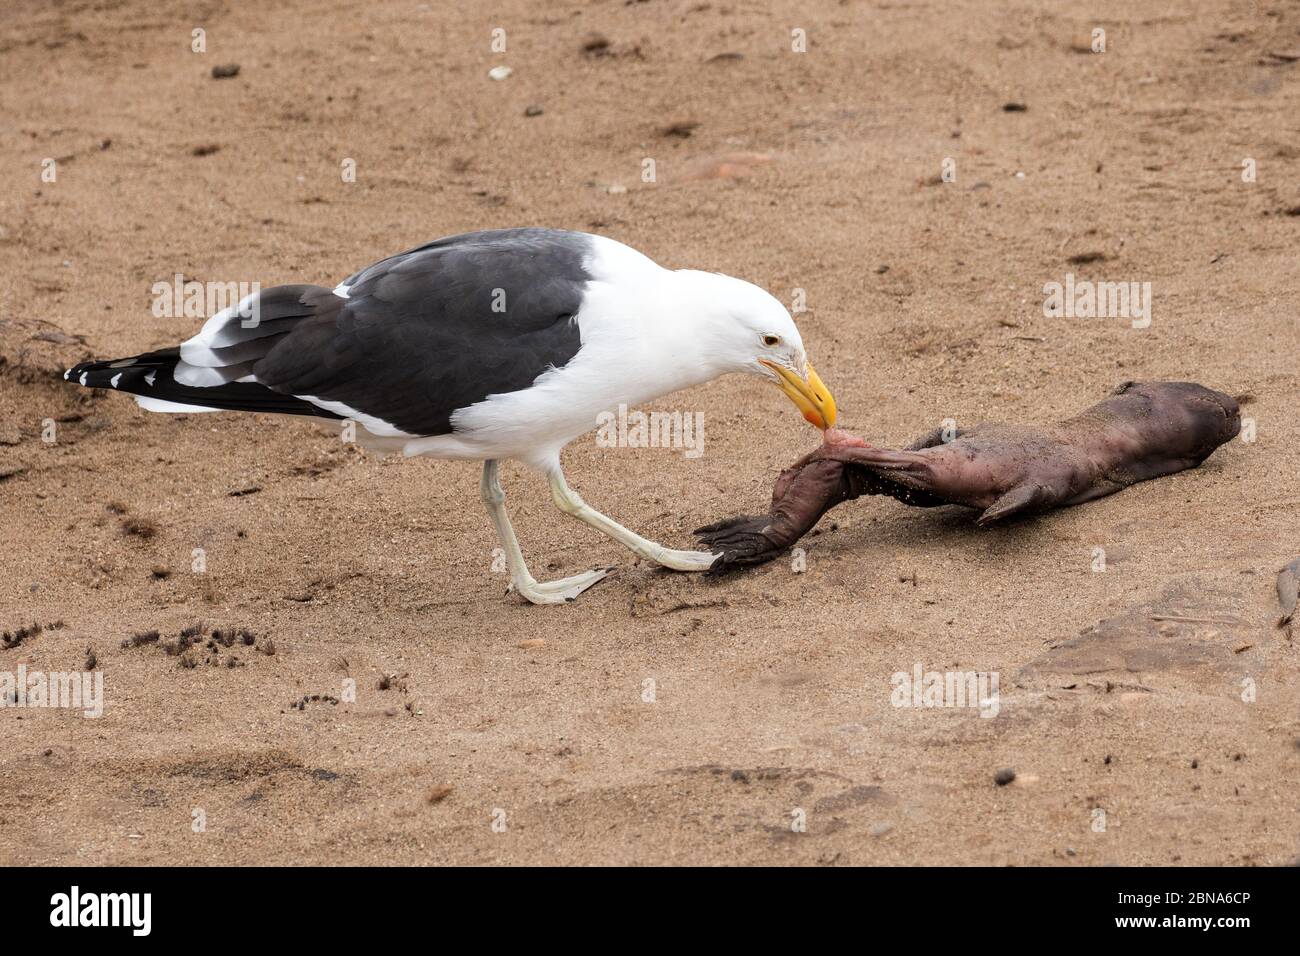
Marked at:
<point>771,340</point>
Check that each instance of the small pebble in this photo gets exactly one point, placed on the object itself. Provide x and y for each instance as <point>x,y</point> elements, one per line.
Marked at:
<point>1004,776</point>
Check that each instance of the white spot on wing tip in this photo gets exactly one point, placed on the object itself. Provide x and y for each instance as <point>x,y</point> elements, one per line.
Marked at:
<point>83,378</point>
<point>114,380</point>
<point>149,378</point>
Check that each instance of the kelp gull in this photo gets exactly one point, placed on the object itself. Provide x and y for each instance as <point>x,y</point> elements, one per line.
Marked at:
<point>488,345</point>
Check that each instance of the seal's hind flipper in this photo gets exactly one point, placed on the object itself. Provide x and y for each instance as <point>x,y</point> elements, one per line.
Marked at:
<point>881,459</point>
<point>1021,498</point>
<point>908,476</point>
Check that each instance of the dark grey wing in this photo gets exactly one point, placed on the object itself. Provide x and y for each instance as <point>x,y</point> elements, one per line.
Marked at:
<point>418,336</point>
<point>439,328</point>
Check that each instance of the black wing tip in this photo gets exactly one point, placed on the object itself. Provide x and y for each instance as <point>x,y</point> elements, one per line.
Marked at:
<point>82,373</point>
<point>104,369</point>
<point>150,376</point>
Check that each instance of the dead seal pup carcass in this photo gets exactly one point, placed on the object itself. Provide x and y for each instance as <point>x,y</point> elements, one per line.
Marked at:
<point>1143,430</point>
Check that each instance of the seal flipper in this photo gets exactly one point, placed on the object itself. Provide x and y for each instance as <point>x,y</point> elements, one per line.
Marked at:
<point>802,496</point>
<point>1026,497</point>
<point>881,459</point>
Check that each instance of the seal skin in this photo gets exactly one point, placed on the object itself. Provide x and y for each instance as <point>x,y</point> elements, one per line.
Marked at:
<point>1143,430</point>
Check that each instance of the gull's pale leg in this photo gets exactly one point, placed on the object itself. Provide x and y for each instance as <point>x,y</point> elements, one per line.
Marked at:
<point>550,592</point>
<point>571,503</point>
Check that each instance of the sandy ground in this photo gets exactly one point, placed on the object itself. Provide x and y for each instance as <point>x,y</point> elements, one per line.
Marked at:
<point>1136,739</point>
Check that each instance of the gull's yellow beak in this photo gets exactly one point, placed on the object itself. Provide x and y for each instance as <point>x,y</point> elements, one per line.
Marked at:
<point>811,397</point>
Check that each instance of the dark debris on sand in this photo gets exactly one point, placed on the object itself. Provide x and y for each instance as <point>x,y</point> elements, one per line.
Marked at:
<point>197,644</point>
<point>11,639</point>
